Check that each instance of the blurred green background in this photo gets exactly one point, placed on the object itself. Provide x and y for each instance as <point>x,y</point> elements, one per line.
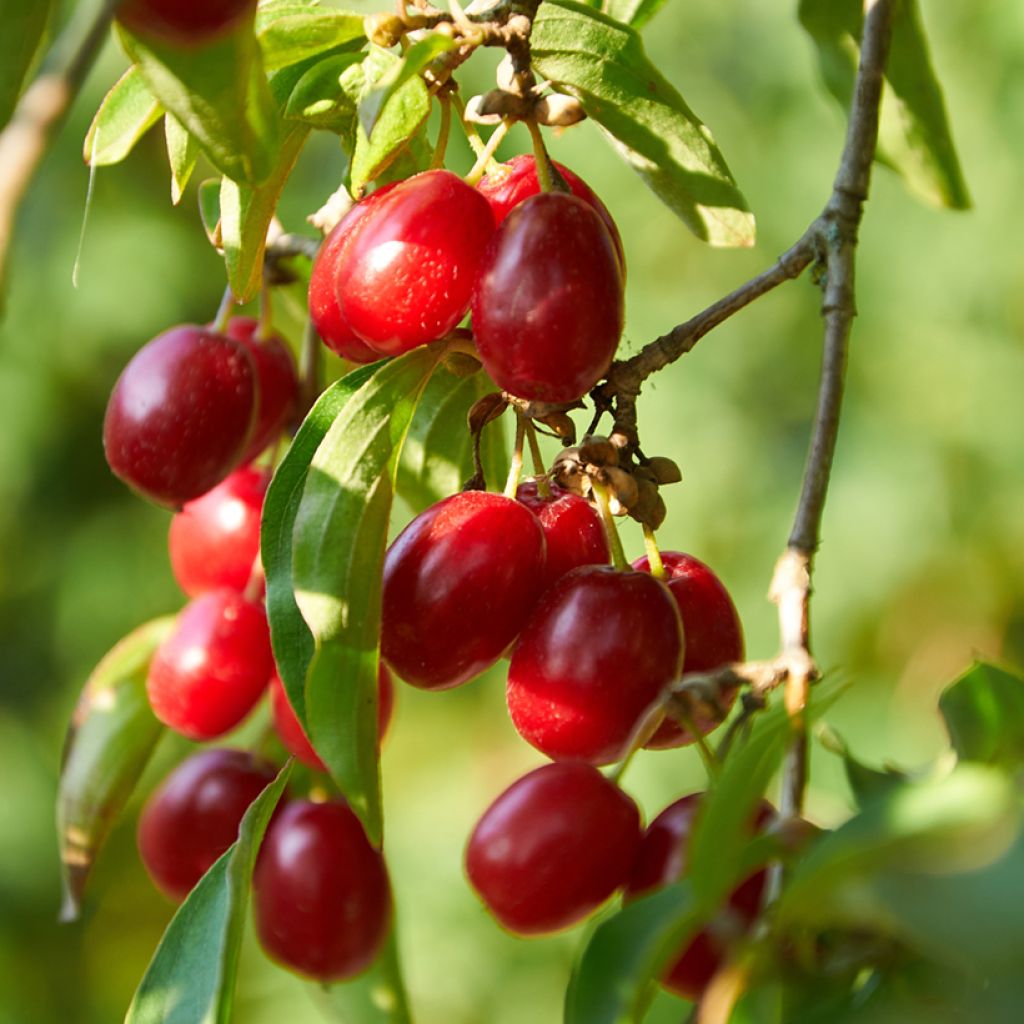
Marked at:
<point>923,548</point>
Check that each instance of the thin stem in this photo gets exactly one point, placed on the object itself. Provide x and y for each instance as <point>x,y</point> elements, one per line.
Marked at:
<point>611,531</point>
<point>472,135</point>
<point>441,146</point>
<point>265,324</point>
<point>311,368</point>
<point>654,554</point>
<point>227,302</point>
<point>543,487</point>
<point>515,470</point>
<point>540,156</point>
<point>707,755</point>
<point>485,163</point>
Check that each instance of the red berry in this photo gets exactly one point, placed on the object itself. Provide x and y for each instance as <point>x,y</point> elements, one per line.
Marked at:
<point>459,582</point>
<point>214,540</point>
<point>662,859</point>
<point>407,274</point>
<point>210,672</point>
<point>548,304</point>
<point>181,414</point>
<point>193,817</point>
<point>572,529</point>
<point>181,22</point>
<point>324,311</point>
<point>711,624</point>
<point>517,180</point>
<point>598,649</point>
<point>320,892</point>
<point>294,737</point>
<point>553,847</point>
<point>278,382</point>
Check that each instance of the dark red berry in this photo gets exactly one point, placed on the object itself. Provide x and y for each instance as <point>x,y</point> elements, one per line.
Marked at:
<point>406,275</point>
<point>181,414</point>
<point>193,817</point>
<point>553,847</point>
<point>214,540</point>
<point>663,859</point>
<point>278,381</point>
<point>459,582</point>
<point>210,672</point>
<point>598,649</point>
<point>182,22</point>
<point>294,737</point>
<point>711,624</point>
<point>320,892</point>
<point>572,529</point>
<point>548,304</point>
<point>517,180</point>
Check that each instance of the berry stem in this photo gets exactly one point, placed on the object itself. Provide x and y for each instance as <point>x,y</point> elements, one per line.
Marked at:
<point>441,146</point>
<point>220,321</point>
<point>265,324</point>
<point>543,487</point>
<point>515,469</point>
<point>485,162</point>
<point>707,755</point>
<point>654,554</point>
<point>476,143</point>
<point>611,531</point>
<point>541,158</point>
<point>311,367</point>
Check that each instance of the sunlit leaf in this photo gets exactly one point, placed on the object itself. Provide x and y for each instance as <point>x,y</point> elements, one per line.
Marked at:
<point>182,154</point>
<point>984,713</point>
<point>289,34</point>
<point>127,112</point>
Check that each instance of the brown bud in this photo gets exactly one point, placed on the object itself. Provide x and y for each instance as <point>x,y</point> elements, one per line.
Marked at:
<point>496,103</point>
<point>657,514</point>
<point>561,424</point>
<point>623,486</point>
<point>598,450</point>
<point>643,473</point>
<point>506,73</point>
<point>665,470</point>
<point>647,499</point>
<point>383,29</point>
<point>484,410</point>
<point>519,25</point>
<point>475,115</point>
<point>559,111</point>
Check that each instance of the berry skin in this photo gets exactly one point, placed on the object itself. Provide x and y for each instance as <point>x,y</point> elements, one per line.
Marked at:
<point>662,859</point>
<point>210,672</point>
<point>517,180</point>
<point>407,274</point>
<point>459,583</point>
<point>320,892</point>
<point>214,540</point>
<point>572,529</point>
<point>193,817</point>
<point>278,383</point>
<point>548,304</point>
<point>553,847</point>
<point>293,736</point>
<point>598,649</point>
<point>182,22</point>
<point>714,634</point>
<point>181,414</point>
<point>324,311</point>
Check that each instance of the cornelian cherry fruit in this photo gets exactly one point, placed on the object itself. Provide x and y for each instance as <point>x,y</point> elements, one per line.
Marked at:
<point>182,22</point>
<point>553,847</point>
<point>459,583</point>
<point>596,652</point>
<point>321,896</point>
<point>193,817</point>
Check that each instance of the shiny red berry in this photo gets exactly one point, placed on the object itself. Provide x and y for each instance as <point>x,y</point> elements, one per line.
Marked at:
<point>210,672</point>
<point>711,624</point>
<point>600,646</point>
<point>182,22</point>
<point>320,892</point>
<point>459,582</point>
<point>548,304</point>
<point>294,737</point>
<point>406,276</point>
<point>193,817</point>
<point>181,414</point>
<point>214,540</point>
<point>553,847</point>
<point>277,379</point>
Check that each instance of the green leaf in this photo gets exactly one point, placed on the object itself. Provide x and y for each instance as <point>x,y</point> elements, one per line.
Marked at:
<point>191,978</point>
<point>319,99</point>
<point>603,64</point>
<point>292,34</point>
<point>209,209</point>
<point>127,112</point>
<point>866,783</point>
<point>984,713</point>
<point>182,154</point>
<point>914,136</point>
<point>632,12</point>
<point>376,996</point>
<point>110,739</point>
<point>24,28</point>
<point>219,93</point>
<point>340,536</point>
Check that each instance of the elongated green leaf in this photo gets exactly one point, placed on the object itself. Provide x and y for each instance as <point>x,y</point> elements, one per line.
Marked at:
<point>110,739</point>
<point>191,978</point>
<point>984,713</point>
<point>290,35</point>
<point>182,153</point>
<point>375,997</point>
<point>340,536</point>
<point>914,135</point>
<point>603,64</point>
<point>209,209</point>
<point>633,12</point>
<point>866,784</point>
<point>319,99</point>
<point>127,112</point>
<point>24,25</point>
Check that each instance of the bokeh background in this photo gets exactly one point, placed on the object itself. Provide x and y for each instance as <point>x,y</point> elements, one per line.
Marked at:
<point>920,569</point>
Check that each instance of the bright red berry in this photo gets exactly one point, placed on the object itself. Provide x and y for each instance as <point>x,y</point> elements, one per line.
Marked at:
<point>663,859</point>
<point>406,275</point>
<point>553,847</point>
<point>597,651</point>
<point>214,540</point>
<point>210,672</point>
<point>294,737</point>
<point>278,381</point>
<point>194,815</point>
<point>182,22</point>
<point>181,414</point>
<point>711,624</point>
<point>548,304</point>
<point>320,892</point>
<point>459,582</point>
